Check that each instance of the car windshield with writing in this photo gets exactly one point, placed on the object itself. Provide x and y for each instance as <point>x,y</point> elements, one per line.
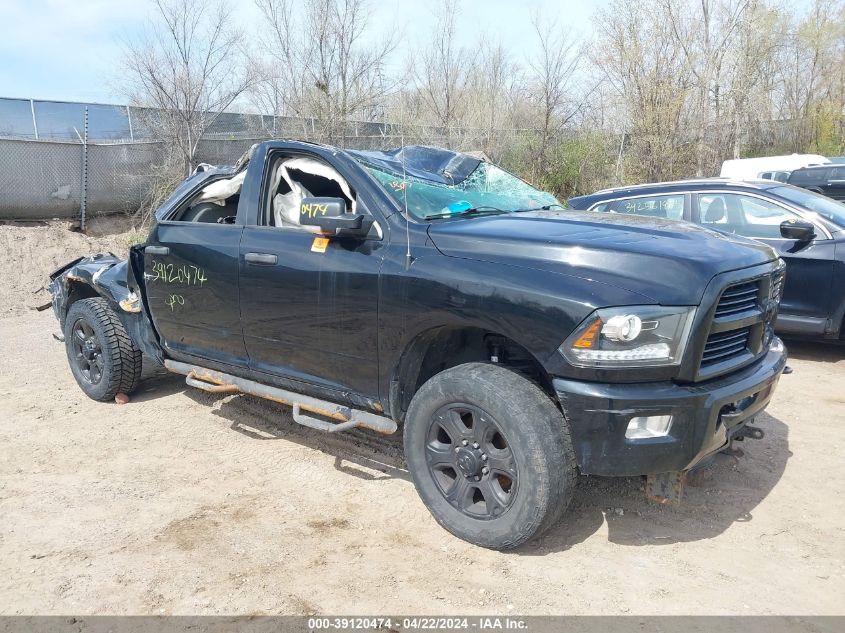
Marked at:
<point>487,190</point>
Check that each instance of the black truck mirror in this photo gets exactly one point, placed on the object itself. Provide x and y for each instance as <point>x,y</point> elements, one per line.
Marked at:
<point>330,215</point>
<point>799,230</point>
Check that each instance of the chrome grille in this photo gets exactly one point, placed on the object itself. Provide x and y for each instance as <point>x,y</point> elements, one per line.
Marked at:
<point>738,298</point>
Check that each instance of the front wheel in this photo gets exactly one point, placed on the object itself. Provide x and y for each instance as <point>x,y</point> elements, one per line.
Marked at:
<point>490,455</point>
<point>102,357</point>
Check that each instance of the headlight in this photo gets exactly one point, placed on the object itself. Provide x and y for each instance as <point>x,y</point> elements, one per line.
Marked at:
<point>630,336</point>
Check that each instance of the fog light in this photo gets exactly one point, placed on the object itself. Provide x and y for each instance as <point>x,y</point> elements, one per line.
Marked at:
<point>651,426</point>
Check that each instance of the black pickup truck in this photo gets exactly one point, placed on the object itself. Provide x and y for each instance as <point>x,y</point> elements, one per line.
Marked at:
<point>517,345</point>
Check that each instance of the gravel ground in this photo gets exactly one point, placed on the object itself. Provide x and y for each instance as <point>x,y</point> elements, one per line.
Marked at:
<point>182,502</point>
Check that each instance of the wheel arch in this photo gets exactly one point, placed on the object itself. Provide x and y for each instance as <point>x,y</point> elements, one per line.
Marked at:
<point>109,278</point>
<point>87,278</point>
<point>443,347</point>
<point>77,290</point>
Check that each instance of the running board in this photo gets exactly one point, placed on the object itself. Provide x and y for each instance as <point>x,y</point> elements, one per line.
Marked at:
<point>346,418</point>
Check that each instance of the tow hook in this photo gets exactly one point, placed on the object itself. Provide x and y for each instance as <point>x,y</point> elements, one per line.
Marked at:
<point>752,432</point>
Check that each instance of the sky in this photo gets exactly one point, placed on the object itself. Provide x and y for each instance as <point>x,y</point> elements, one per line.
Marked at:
<point>71,50</point>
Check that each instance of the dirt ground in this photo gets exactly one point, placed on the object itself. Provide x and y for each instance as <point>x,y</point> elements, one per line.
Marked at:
<point>29,251</point>
<point>183,502</point>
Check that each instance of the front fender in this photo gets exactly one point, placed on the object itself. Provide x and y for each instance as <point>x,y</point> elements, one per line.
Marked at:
<point>536,309</point>
<point>99,275</point>
<point>105,275</point>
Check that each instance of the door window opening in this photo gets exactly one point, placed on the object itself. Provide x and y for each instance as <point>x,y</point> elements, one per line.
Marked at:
<point>292,180</point>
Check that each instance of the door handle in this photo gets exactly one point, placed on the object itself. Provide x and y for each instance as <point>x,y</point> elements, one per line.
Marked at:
<point>157,250</point>
<point>261,259</point>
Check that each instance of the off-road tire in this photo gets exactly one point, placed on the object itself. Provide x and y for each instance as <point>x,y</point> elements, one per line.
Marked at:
<point>538,437</point>
<point>121,360</point>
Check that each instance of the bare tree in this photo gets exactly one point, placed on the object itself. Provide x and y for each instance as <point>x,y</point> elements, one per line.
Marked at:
<point>187,68</point>
<point>811,72</point>
<point>319,65</point>
<point>493,92</point>
<point>750,74</point>
<point>553,71</point>
<point>665,89</point>
<point>644,65</point>
<point>442,72</point>
<point>705,35</point>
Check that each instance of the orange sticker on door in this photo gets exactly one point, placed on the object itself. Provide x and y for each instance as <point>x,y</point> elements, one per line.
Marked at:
<point>319,244</point>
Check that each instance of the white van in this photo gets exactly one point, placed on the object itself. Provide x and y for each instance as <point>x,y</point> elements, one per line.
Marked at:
<point>769,167</point>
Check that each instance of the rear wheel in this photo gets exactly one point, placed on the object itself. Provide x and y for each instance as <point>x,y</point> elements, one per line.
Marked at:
<point>490,454</point>
<point>102,357</point>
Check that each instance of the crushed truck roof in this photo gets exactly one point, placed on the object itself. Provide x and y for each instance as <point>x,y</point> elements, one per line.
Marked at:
<point>434,164</point>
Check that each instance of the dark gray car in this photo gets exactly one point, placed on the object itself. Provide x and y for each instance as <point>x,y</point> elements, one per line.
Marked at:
<point>828,180</point>
<point>805,228</point>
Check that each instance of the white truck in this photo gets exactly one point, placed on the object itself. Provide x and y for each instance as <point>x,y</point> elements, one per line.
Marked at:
<point>768,167</point>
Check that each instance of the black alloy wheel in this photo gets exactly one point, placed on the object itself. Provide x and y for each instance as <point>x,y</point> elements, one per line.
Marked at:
<point>88,352</point>
<point>471,461</point>
<point>102,357</point>
<point>490,454</point>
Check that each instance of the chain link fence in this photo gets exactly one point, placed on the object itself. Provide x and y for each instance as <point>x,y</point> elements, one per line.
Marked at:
<point>41,180</point>
<point>44,179</point>
<point>50,172</point>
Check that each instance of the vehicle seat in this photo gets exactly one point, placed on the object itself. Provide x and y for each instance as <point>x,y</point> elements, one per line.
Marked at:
<point>715,212</point>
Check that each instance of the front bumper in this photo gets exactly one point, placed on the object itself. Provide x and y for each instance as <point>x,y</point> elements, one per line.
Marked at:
<point>705,415</point>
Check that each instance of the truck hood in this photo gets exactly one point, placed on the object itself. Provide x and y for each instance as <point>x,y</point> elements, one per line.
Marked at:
<point>668,261</point>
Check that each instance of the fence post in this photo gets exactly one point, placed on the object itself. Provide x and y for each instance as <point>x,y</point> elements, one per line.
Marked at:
<point>129,118</point>
<point>34,123</point>
<point>83,198</point>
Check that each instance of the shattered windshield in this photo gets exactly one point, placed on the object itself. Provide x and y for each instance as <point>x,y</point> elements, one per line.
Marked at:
<point>488,189</point>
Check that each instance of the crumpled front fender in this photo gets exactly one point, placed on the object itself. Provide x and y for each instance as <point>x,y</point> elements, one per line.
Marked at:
<point>102,274</point>
<point>110,277</point>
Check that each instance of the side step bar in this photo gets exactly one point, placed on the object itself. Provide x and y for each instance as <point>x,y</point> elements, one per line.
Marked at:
<point>347,418</point>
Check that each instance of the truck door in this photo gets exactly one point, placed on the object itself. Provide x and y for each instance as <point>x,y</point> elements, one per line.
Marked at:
<point>308,313</point>
<point>191,279</point>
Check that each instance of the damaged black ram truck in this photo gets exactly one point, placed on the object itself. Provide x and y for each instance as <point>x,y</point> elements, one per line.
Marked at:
<point>517,345</point>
